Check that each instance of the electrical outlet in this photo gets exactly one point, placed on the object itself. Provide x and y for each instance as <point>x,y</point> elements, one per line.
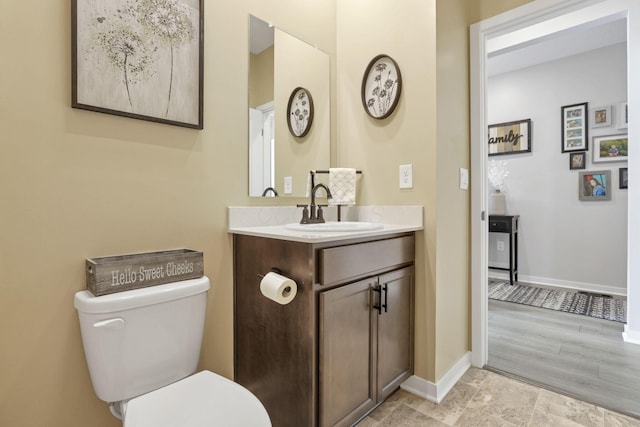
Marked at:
<point>288,184</point>
<point>406,176</point>
<point>464,179</point>
<point>500,245</point>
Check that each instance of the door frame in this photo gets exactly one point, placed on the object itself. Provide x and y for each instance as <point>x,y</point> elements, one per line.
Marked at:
<point>541,18</point>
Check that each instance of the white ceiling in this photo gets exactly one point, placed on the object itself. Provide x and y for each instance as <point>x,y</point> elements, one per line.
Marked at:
<point>579,39</point>
<point>261,35</point>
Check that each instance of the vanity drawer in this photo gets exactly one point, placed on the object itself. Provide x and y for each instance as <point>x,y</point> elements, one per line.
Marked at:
<point>343,263</point>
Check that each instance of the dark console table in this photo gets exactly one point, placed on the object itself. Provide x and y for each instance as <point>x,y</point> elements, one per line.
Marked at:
<point>507,224</point>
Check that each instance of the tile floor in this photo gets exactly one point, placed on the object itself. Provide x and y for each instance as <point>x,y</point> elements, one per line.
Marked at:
<point>483,398</point>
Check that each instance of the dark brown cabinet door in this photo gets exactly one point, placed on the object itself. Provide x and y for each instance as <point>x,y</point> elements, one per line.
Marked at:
<point>395,331</point>
<point>347,356</point>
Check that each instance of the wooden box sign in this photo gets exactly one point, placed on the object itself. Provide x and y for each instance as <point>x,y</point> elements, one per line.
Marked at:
<point>119,273</point>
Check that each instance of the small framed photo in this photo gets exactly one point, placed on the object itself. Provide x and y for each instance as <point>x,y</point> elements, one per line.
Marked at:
<point>624,178</point>
<point>594,185</point>
<point>510,138</point>
<point>623,115</point>
<point>578,160</point>
<point>600,116</point>
<point>575,127</point>
<point>610,148</point>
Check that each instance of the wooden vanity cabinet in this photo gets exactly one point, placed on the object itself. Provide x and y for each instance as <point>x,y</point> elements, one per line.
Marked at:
<point>366,345</point>
<point>343,344</point>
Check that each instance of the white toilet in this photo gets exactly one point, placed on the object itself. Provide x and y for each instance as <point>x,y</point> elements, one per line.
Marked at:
<point>142,347</point>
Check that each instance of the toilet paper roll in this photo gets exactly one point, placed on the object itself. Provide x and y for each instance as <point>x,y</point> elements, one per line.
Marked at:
<point>278,288</point>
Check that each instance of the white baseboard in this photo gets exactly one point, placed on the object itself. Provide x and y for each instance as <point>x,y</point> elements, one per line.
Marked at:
<point>546,281</point>
<point>436,392</point>
<point>632,337</point>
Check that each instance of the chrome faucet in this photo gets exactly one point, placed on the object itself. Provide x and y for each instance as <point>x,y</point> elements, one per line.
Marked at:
<point>310,215</point>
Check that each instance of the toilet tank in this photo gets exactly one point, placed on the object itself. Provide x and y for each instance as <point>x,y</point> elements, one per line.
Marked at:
<point>140,340</point>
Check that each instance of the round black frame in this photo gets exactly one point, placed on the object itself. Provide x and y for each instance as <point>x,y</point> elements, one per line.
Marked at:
<point>292,117</point>
<point>380,89</point>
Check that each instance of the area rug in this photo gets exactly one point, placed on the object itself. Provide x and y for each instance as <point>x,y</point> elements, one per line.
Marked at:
<point>587,304</point>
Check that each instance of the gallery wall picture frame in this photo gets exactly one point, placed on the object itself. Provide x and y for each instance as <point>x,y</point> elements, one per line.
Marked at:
<point>623,178</point>
<point>594,185</point>
<point>509,138</point>
<point>578,160</point>
<point>623,115</point>
<point>381,87</point>
<point>600,116</point>
<point>610,148</point>
<point>300,112</point>
<point>139,59</point>
<point>575,127</point>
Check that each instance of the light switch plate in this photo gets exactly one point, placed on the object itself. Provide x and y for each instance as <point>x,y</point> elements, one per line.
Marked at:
<point>406,176</point>
<point>464,179</point>
<point>288,184</point>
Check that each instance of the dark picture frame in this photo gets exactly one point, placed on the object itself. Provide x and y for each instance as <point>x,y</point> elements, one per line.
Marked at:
<point>381,87</point>
<point>578,160</point>
<point>623,178</point>
<point>300,112</point>
<point>575,127</point>
<point>594,185</point>
<point>138,60</point>
<point>610,148</point>
<point>509,138</point>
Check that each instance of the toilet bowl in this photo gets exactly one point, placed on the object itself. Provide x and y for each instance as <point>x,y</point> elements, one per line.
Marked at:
<point>142,348</point>
<point>203,399</point>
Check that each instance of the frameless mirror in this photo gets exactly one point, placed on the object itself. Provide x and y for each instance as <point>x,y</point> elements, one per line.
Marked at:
<point>280,63</point>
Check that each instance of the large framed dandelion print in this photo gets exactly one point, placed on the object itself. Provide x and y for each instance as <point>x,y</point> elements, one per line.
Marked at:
<point>139,58</point>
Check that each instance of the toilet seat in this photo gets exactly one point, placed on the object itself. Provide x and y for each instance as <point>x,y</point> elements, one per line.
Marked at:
<point>204,399</point>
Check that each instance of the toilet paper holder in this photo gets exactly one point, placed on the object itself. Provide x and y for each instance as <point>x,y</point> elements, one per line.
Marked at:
<point>273,270</point>
<point>277,287</point>
<point>277,271</point>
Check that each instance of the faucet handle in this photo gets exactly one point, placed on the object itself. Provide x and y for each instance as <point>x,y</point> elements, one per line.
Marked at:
<point>320,216</point>
<point>305,214</point>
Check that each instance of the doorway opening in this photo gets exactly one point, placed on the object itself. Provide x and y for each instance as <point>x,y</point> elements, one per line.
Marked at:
<point>529,26</point>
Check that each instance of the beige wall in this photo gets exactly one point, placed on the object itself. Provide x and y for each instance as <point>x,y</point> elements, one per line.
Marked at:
<point>452,299</point>
<point>488,8</point>
<point>453,291</point>
<point>367,28</point>
<point>261,78</point>
<point>298,64</point>
<point>77,184</point>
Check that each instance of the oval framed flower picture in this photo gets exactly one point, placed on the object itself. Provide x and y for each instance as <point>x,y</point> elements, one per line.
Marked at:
<point>381,87</point>
<point>300,112</point>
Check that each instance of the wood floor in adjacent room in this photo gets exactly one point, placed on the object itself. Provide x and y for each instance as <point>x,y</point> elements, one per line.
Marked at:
<point>577,355</point>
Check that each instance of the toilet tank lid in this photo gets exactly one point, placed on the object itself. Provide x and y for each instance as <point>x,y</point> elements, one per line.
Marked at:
<point>86,302</point>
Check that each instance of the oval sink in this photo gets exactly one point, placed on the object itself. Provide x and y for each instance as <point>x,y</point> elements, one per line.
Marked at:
<point>335,226</point>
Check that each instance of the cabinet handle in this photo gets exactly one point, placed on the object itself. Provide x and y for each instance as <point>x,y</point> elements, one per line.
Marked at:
<point>386,297</point>
<point>378,290</point>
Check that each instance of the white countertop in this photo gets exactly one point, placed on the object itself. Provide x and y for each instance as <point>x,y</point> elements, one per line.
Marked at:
<point>269,222</point>
<point>279,232</point>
